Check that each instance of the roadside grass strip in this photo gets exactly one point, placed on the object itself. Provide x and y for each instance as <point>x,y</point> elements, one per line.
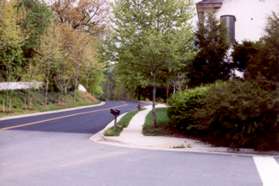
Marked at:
<point>268,169</point>
<point>123,123</point>
<point>162,122</point>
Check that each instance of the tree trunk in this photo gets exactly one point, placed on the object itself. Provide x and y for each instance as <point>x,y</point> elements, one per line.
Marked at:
<point>138,92</point>
<point>3,106</point>
<point>46,93</point>
<point>76,82</point>
<point>167,92</point>
<point>154,116</point>
<point>29,101</point>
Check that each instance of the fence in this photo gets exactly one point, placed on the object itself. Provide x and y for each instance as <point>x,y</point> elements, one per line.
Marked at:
<point>20,85</point>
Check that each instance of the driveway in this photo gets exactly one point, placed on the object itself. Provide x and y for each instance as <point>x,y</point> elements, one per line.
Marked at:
<point>50,152</point>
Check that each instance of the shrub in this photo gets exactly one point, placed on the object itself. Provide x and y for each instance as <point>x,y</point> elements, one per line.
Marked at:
<point>243,52</point>
<point>265,64</point>
<point>237,114</point>
<point>240,114</point>
<point>184,104</point>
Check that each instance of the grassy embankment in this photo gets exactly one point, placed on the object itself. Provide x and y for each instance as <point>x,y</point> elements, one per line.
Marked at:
<point>123,123</point>
<point>24,102</point>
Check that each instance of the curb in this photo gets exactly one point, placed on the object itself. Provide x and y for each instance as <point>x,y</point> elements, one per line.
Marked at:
<point>100,135</point>
<point>117,143</point>
<point>51,112</point>
<point>114,141</point>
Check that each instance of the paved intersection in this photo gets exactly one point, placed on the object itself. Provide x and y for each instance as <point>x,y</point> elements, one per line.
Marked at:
<point>59,152</point>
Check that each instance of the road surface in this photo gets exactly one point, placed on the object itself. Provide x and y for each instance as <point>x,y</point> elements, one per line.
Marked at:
<point>55,150</point>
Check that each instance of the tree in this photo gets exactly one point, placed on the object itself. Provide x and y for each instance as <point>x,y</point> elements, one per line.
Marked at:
<point>243,53</point>
<point>35,17</point>
<point>10,47</point>
<point>67,57</point>
<point>150,40</point>
<point>85,15</point>
<point>51,55</point>
<point>209,64</point>
<point>82,21</point>
<point>264,66</point>
<point>92,69</point>
<point>10,43</point>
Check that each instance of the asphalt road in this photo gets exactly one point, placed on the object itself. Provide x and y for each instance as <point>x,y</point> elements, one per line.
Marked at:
<point>58,152</point>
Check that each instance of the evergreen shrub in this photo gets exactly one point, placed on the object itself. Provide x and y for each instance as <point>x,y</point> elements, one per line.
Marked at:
<point>237,114</point>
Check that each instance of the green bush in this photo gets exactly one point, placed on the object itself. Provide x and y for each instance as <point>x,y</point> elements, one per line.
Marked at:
<point>237,114</point>
<point>240,114</point>
<point>243,53</point>
<point>264,65</point>
<point>183,106</point>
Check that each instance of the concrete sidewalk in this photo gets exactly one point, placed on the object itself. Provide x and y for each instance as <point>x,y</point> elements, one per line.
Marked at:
<point>132,137</point>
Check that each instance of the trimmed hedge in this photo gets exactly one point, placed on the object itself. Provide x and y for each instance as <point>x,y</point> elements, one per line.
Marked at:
<point>185,104</point>
<point>237,114</point>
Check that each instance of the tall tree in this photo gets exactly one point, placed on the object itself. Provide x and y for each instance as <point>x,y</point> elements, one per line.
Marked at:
<point>35,16</point>
<point>210,62</point>
<point>67,57</point>
<point>10,47</point>
<point>243,53</point>
<point>265,64</point>
<point>10,43</point>
<point>50,55</point>
<point>150,41</point>
<point>85,15</point>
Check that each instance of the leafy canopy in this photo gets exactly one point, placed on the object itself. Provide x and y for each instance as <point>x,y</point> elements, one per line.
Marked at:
<point>149,40</point>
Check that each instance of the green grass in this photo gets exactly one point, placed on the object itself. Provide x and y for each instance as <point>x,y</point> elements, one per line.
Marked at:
<point>24,102</point>
<point>123,123</point>
<point>163,121</point>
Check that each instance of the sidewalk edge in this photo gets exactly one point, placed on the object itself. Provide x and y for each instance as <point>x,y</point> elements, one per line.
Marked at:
<point>116,141</point>
<point>100,135</point>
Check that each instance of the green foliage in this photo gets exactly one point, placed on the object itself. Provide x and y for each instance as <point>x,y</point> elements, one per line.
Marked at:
<point>149,40</point>
<point>28,101</point>
<point>36,16</point>
<point>235,114</point>
<point>123,123</point>
<point>184,105</point>
<point>243,53</point>
<point>210,62</point>
<point>264,66</point>
<point>67,58</point>
<point>113,131</point>
<point>33,46</point>
<point>242,115</point>
<point>163,122</point>
<point>10,43</point>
